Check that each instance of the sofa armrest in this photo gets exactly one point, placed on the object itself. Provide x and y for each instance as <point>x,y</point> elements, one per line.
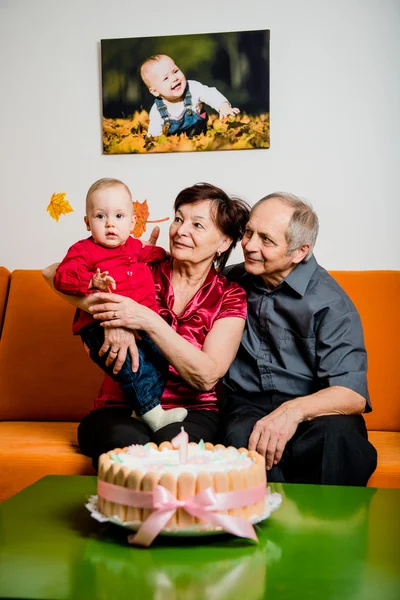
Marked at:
<point>4,286</point>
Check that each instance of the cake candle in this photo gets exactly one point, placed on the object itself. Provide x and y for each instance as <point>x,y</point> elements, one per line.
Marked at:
<point>181,442</point>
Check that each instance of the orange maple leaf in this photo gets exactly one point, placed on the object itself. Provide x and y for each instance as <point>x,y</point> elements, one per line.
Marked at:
<point>59,206</point>
<point>141,211</point>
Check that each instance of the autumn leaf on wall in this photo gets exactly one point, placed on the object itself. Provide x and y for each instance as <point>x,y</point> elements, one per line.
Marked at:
<point>141,211</point>
<point>59,206</point>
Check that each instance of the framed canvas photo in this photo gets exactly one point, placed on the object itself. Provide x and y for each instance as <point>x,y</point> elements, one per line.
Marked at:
<point>186,93</point>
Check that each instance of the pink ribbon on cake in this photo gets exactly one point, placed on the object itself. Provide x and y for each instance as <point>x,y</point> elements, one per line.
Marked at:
<point>203,505</point>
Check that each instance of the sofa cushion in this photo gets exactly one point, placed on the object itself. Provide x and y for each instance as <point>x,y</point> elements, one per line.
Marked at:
<point>45,374</point>
<point>376,295</point>
<point>387,444</point>
<point>29,451</point>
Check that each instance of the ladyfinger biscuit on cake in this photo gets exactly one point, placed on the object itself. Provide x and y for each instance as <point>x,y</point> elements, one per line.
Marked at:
<point>134,482</point>
<point>257,458</point>
<point>186,489</point>
<point>252,475</point>
<point>221,485</point>
<point>260,461</point>
<point>236,483</point>
<point>244,475</point>
<point>243,450</point>
<point>104,466</point>
<point>209,446</point>
<point>149,482</point>
<point>168,481</point>
<point>109,507</point>
<point>166,445</point>
<point>219,447</point>
<point>153,445</point>
<point>263,474</point>
<point>120,478</point>
<point>204,481</point>
<point>260,477</point>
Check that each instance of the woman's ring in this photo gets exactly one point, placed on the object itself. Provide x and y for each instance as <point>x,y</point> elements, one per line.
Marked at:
<point>113,351</point>
<point>115,315</point>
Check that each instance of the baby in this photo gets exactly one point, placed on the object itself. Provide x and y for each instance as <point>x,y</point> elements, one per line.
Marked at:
<point>178,106</point>
<point>112,260</point>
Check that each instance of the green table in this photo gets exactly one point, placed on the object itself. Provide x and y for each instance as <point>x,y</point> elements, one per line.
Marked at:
<point>323,542</point>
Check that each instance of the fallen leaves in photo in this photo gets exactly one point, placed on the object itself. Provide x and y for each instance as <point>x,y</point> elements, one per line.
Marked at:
<point>239,132</point>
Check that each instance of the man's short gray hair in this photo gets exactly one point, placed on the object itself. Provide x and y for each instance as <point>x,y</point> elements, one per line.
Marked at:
<point>303,226</point>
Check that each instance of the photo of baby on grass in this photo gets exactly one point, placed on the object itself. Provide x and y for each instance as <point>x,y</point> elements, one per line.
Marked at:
<point>186,93</point>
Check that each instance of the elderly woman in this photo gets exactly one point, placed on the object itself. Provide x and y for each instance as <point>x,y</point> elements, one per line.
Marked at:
<point>198,329</point>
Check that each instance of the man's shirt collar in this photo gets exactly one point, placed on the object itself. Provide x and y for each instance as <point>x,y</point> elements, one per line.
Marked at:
<point>300,277</point>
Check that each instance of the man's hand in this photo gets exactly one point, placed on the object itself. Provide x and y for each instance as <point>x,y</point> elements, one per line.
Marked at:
<point>103,281</point>
<point>226,110</point>
<point>271,433</point>
<point>118,342</point>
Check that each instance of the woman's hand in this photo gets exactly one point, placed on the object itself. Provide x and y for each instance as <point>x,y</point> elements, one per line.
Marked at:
<point>152,241</point>
<point>49,272</point>
<point>117,342</point>
<point>119,311</point>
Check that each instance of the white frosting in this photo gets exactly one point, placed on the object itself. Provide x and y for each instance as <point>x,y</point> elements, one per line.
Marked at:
<point>147,458</point>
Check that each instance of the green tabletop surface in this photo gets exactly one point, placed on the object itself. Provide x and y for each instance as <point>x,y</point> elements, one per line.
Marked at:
<point>323,542</point>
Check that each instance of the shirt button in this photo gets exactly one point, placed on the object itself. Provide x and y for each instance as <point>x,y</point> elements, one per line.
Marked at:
<point>129,273</point>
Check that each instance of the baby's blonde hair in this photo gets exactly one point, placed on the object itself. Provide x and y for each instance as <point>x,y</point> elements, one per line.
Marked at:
<point>104,183</point>
<point>144,69</point>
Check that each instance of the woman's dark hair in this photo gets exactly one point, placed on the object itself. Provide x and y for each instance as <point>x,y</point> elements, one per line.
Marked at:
<point>229,214</point>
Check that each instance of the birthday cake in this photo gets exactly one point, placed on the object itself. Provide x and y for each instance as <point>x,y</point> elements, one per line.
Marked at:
<point>210,485</point>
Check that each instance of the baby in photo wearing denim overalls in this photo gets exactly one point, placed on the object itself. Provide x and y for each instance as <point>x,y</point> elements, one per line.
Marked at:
<point>110,259</point>
<point>178,107</point>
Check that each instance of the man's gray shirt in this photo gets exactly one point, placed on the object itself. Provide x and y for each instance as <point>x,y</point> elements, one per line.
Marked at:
<point>300,337</point>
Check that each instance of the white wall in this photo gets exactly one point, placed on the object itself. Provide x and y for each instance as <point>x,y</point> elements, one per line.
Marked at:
<point>335,120</point>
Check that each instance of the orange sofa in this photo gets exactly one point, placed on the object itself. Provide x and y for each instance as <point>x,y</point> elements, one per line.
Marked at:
<point>47,383</point>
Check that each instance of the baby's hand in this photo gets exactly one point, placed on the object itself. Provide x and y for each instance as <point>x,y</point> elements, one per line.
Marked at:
<point>225,110</point>
<point>103,281</point>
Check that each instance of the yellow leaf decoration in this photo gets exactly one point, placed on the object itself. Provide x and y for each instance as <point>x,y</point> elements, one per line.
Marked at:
<point>59,206</point>
<point>141,211</point>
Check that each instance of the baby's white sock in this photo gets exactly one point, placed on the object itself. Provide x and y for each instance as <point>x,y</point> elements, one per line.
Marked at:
<point>157,417</point>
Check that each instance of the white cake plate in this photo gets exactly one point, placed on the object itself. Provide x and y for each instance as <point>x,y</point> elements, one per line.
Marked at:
<point>272,502</point>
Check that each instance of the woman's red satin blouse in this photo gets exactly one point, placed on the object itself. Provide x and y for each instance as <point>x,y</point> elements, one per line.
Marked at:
<point>216,299</point>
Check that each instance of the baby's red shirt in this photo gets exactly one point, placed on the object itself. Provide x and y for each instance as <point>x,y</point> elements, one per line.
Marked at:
<point>127,264</point>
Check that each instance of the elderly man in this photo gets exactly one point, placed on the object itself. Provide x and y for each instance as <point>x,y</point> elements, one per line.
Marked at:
<point>297,387</point>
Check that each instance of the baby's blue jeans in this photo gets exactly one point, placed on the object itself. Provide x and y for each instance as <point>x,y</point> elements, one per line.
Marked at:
<point>142,389</point>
